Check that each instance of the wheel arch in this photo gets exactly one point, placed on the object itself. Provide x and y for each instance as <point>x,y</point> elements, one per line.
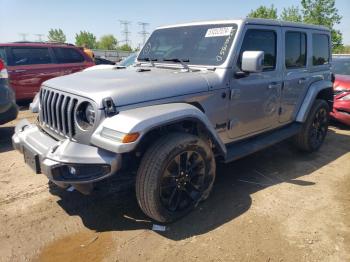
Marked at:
<point>322,89</point>
<point>191,125</point>
<point>327,95</point>
<point>156,119</point>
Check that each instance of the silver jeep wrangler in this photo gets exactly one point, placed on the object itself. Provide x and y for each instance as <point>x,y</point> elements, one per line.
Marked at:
<point>199,93</point>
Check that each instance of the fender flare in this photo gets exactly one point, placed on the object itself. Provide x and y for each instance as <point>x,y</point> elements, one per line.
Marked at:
<point>144,119</point>
<point>314,89</point>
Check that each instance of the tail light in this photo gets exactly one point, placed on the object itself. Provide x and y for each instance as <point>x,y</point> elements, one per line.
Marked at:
<point>3,70</point>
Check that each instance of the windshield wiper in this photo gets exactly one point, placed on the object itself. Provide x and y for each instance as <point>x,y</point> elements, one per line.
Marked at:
<point>148,59</point>
<point>177,60</point>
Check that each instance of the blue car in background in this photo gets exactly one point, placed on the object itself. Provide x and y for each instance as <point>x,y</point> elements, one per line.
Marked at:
<point>128,61</point>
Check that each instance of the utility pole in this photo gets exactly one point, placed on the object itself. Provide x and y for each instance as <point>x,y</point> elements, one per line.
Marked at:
<point>126,31</point>
<point>39,37</point>
<point>23,35</point>
<point>143,31</point>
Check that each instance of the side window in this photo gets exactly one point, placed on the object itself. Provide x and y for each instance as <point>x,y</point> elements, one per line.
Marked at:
<point>260,40</point>
<point>295,46</point>
<point>30,56</point>
<point>68,55</point>
<point>320,49</point>
<point>3,54</point>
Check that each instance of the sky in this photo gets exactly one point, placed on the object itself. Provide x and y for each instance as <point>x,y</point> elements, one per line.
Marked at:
<point>102,17</point>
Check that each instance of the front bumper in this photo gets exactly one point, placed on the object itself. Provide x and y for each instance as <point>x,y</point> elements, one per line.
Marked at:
<point>63,162</point>
<point>341,112</point>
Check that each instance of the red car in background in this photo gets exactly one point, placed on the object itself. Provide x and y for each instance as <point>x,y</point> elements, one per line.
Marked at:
<point>341,107</point>
<point>29,64</point>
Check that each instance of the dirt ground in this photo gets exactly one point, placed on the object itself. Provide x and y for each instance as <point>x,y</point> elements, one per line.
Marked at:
<point>275,205</point>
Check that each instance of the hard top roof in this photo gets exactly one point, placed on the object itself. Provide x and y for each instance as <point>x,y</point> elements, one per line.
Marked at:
<point>255,21</point>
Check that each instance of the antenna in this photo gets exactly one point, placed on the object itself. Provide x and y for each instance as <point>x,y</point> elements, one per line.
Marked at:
<point>23,35</point>
<point>143,32</point>
<point>126,31</point>
<point>39,37</point>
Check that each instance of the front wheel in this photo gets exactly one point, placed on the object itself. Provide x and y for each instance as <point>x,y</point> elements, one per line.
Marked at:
<point>315,128</point>
<point>175,174</point>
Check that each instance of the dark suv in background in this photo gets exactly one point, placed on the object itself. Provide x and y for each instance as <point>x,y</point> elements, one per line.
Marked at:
<point>30,64</point>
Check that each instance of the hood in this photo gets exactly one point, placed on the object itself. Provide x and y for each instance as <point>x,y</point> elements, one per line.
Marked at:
<point>132,85</point>
<point>342,82</point>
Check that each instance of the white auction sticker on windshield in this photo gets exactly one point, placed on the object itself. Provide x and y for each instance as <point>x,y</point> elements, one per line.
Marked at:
<point>219,31</point>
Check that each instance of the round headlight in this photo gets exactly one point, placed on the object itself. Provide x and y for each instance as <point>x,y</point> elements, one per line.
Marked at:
<point>85,115</point>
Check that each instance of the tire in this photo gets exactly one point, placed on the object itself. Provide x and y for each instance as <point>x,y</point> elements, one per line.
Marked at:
<point>163,192</point>
<point>315,128</point>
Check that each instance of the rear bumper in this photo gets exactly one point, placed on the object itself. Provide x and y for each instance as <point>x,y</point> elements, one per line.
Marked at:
<point>63,162</point>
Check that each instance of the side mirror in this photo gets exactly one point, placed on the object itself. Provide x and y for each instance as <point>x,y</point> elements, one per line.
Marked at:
<point>252,61</point>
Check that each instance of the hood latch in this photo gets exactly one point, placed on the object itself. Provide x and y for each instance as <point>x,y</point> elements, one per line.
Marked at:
<point>109,106</point>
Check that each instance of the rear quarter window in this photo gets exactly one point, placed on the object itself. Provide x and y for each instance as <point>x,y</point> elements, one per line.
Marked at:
<point>68,55</point>
<point>320,49</point>
<point>30,56</point>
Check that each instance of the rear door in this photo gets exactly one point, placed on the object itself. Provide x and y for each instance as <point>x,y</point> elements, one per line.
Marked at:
<point>296,73</point>
<point>70,60</point>
<point>255,97</point>
<point>28,67</point>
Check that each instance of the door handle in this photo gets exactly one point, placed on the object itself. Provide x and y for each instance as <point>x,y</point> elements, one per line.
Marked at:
<point>273,85</point>
<point>302,81</point>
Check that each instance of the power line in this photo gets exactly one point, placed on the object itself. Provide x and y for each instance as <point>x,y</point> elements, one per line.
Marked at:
<point>23,35</point>
<point>143,32</point>
<point>126,31</point>
<point>39,37</point>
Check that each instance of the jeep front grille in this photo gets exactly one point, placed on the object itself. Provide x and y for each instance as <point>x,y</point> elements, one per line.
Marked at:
<point>57,112</point>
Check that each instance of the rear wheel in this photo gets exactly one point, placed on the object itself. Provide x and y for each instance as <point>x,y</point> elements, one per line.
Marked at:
<point>315,128</point>
<point>175,174</point>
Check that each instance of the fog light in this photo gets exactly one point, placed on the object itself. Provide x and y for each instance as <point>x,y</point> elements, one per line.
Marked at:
<point>79,172</point>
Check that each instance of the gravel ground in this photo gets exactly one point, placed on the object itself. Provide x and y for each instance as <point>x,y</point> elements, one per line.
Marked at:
<point>275,205</point>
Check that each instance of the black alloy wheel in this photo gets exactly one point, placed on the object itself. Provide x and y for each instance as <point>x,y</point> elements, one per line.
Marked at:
<point>176,173</point>
<point>183,181</point>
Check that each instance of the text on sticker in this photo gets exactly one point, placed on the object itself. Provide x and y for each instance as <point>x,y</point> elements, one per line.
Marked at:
<point>220,31</point>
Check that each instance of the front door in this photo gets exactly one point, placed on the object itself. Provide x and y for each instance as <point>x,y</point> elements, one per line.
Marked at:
<point>255,98</point>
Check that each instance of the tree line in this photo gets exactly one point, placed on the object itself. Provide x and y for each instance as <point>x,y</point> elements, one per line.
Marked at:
<point>317,12</point>
<point>87,39</point>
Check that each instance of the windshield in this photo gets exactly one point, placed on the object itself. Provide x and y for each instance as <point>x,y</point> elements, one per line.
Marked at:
<point>194,45</point>
<point>341,66</point>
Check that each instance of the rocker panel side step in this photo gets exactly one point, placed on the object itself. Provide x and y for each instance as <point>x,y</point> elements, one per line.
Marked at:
<point>251,145</point>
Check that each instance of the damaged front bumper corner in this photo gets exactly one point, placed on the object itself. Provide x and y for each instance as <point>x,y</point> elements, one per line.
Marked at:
<point>64,162</point>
